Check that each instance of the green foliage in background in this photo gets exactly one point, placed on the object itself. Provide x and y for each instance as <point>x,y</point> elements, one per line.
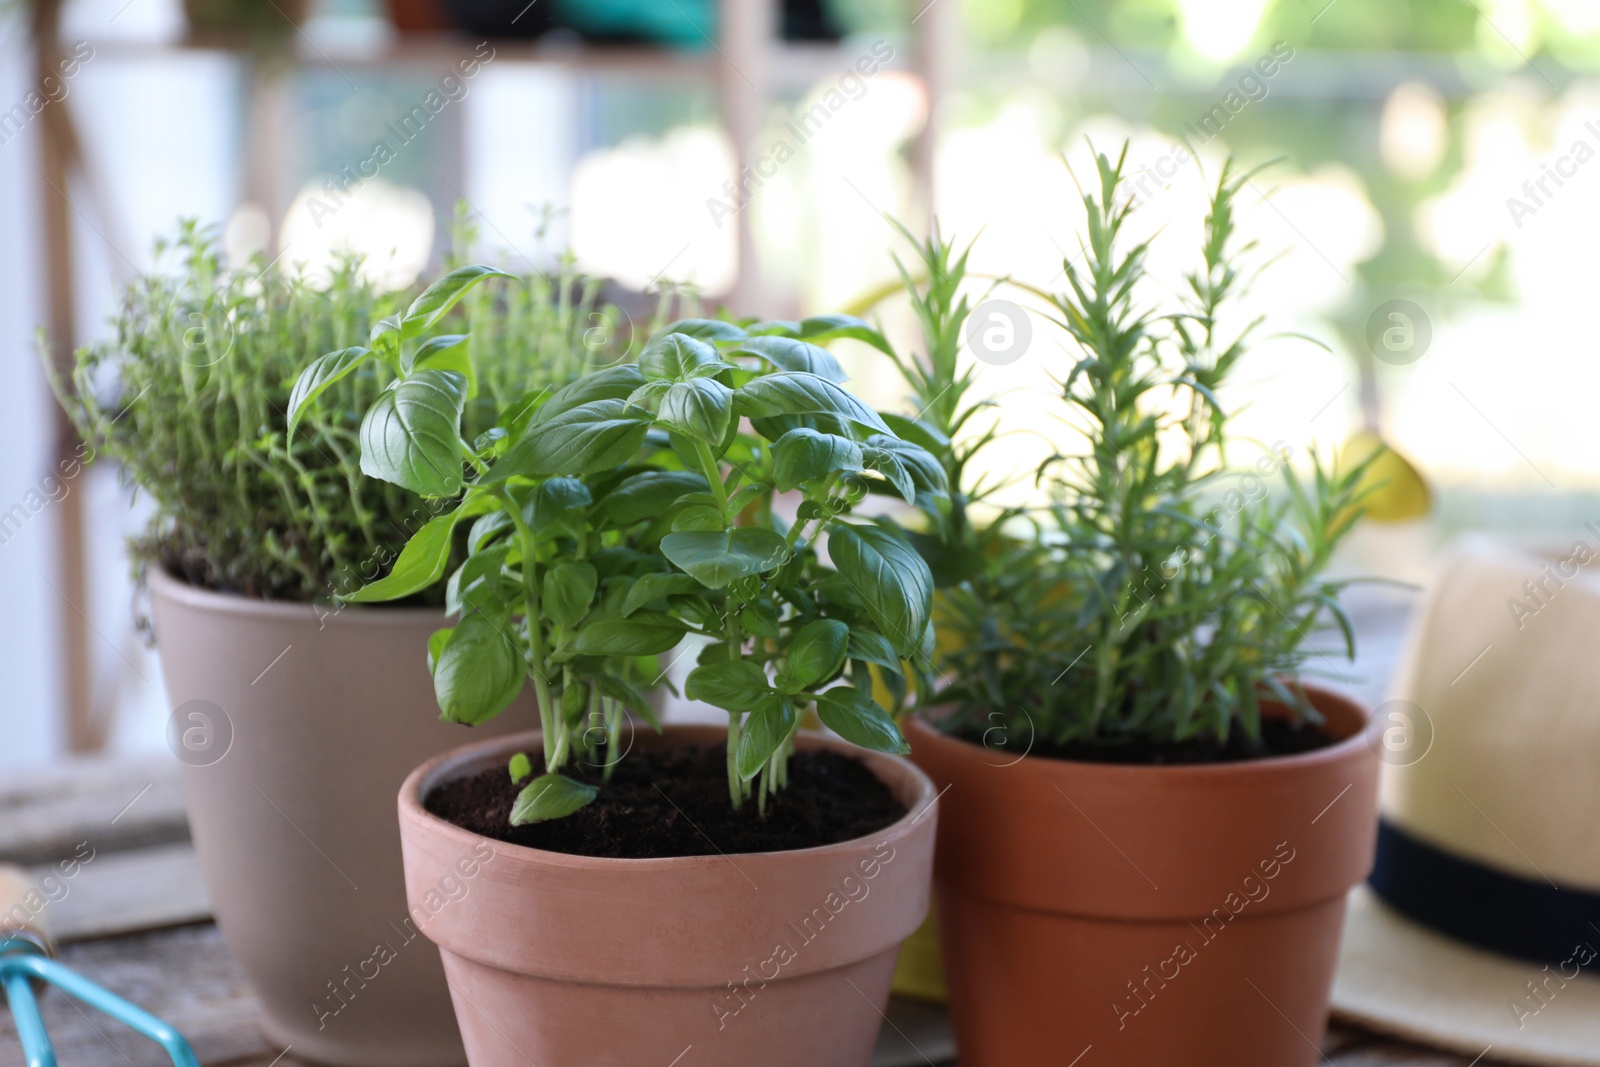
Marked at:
<point>191,398</point>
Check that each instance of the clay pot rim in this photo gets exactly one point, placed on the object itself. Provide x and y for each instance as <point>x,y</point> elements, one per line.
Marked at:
<point>431,773</point>
<point>168,585</point>
<point>1322,698</point>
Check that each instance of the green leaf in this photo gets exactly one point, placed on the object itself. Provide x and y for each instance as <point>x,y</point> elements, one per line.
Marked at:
<point>908,467</point>
<point>732,685</point>
<point>764,730</point>
<point>700,408</point>
<point>871,647</point>
<point>410,435</point>
<point>479,671</point>
<point>792,354</point>
<point>436,642</point>
<point>678,357</point>
<point>384,336</point>
<point>822,327</point>
<point>706,329</point>
<point>917,431</point>
<point>644,634</point>
<point>590,437</point>
<point>317,378</point>
<point>550,796</point>
<point>479,584</point>
<point>649,494</point>
<point>717,557</point>
<point>893,582</point>
<point>426,310</point>
<point>629,697</point>
<point>816,655</point>
<point>568,588</point>
<point>558,504</point>
<point>520,767</point>
<point>613,383</point>
<point>803,455</point>
<point>420,564</point>
<point>656,586</point>
<point>446,352</point>
<point>857,718</point>
<point>799,393</point>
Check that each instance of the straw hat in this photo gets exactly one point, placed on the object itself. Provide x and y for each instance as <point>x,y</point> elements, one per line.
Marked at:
<point>1480,927</point>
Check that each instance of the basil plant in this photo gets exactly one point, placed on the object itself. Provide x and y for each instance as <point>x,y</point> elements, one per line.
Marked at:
<point>646,504</point>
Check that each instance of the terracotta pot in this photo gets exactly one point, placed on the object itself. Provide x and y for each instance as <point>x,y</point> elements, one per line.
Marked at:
<point>781,959</point>
<point>308,720</point>
<point>1183,915</point>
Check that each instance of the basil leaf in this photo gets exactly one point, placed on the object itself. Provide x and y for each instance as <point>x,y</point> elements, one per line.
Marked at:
<point>590,437</point>
<point>822,327</point>
<point>802,455</point>
<point>700,408</point>
<point>909,467</point>
<point>676,357</point>
<point>764,730</point>
<point>613,383</point>
<point>319,376</point>
<point>568,588</point>
<point>707,329</point>
<point>789,353</point>
<point>892,581</point>
<point>816,655</point>
<point>446,352</point>
<point>657,586</point>
<point>644,634</point>
<point>799,393</point>
<point>717,557</point>
<point>550,796</point>
<point>732,685</point>
<point>420,563</point>
<point>870,647</point>
<point>857,718</point>
<point>426,310</point>
<point>479,671</point>
<point>411,437</point>
<point>649,494</point>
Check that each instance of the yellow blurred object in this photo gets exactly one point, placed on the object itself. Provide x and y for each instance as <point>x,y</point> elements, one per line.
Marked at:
<point>1399,492</point>
<point>920,971</point>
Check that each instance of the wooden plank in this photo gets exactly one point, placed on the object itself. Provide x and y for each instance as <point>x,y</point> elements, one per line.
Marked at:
<point>110,804</point>
<point>119,892</point>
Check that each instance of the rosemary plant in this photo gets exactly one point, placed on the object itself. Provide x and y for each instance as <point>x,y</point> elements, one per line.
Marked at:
<point>1178,594</point>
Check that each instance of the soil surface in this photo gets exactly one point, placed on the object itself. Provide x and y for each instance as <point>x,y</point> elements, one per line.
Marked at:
<point>674,802</point>
<point>1278,738</point>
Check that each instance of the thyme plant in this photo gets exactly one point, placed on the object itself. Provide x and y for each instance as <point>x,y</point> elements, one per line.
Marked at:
<point>1176,593</point>
<point>191,398</point>
<point>617,516</point>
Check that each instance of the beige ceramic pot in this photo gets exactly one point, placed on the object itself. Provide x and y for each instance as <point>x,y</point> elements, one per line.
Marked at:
<point>296,724</point>
<point>776,959</point>
<point>1139,915</point>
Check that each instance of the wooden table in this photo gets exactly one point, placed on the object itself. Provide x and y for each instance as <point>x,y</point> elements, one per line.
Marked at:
<point>138,922</point>
<point>186,976</point>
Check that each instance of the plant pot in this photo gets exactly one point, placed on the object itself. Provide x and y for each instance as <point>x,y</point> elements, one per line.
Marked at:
<point>309,721</point>
<point>1158,914</point>
<point>559,959</point>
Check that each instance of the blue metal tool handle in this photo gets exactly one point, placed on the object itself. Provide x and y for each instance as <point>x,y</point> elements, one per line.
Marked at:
<point>24,960</point>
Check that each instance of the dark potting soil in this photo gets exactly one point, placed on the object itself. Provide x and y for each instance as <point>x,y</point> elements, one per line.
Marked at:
<point>1278,738</point>
<point>674,802</point>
